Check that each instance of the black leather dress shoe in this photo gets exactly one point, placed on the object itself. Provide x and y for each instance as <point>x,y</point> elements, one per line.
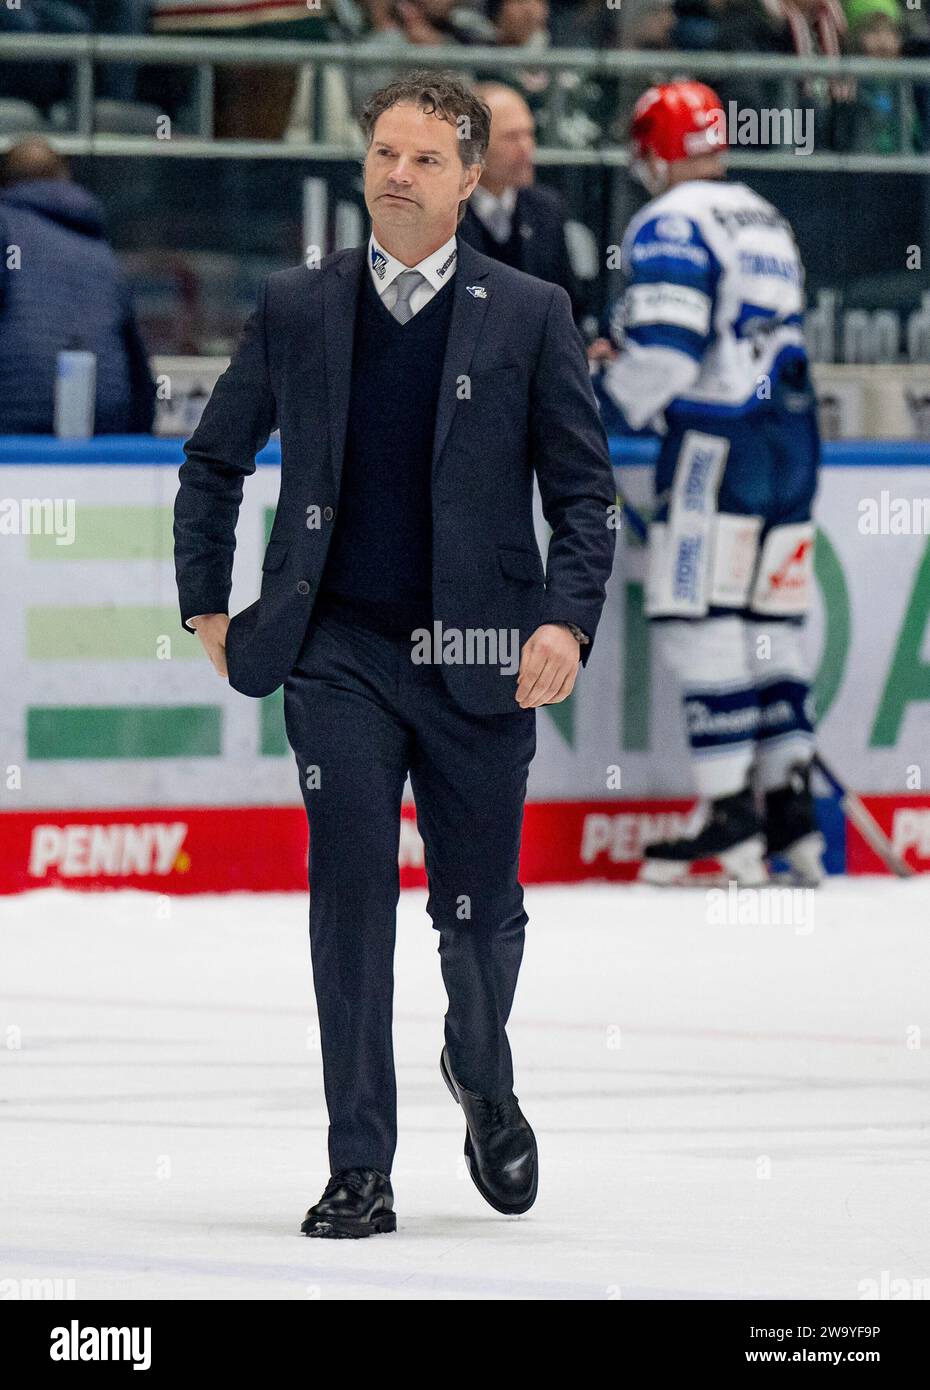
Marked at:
<point>357,1202</point>
<point>500,1147</point>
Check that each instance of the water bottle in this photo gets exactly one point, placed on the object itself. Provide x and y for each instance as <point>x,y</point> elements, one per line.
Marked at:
<point>75,393</point>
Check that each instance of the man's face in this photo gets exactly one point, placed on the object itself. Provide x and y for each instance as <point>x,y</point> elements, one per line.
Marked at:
<point>512,147</point>
<point>414,176</point>
<point>881,40</point>
<point>519,20</point>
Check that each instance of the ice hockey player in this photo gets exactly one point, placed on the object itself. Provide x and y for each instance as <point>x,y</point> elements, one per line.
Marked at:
<point>708,348</point>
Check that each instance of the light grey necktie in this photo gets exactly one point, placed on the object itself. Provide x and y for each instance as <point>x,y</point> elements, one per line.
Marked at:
<point>499,223</point>
<point>406,283</point>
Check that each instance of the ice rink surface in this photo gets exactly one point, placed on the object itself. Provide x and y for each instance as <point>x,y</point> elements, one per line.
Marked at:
<point>724,1109</point>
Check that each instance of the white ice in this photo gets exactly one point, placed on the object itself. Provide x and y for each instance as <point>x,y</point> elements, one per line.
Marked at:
<point>735,1111</point>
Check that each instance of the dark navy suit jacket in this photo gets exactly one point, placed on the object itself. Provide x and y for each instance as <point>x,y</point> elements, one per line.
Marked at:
<point>515,399</point>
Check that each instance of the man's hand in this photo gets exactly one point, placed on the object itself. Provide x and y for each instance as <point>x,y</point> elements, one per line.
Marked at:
<point>602,350</point>
<point>211,629</point>
<point>548,666</point>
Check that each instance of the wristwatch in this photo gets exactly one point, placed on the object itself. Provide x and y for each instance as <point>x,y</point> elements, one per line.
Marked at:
<point>579,636</point>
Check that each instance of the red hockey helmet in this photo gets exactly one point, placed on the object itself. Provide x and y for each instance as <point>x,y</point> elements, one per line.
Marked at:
<point>677,120</point>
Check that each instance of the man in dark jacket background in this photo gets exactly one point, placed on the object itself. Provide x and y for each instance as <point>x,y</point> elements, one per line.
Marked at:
<point>508,216</point>
<point>61,287</point>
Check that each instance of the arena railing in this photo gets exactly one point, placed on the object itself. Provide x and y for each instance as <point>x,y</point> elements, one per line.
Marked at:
<point>203,55</point>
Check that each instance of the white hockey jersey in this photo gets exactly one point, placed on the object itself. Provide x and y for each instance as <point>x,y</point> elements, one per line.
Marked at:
<point>715,294</point>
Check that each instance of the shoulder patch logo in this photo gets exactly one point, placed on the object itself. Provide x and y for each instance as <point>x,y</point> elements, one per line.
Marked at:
<point>673,227</point>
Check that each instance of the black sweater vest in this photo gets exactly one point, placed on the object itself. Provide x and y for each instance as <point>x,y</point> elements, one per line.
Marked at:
<point>379,565</point>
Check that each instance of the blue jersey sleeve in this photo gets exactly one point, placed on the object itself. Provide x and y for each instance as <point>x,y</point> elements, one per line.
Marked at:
<point>671,293</point>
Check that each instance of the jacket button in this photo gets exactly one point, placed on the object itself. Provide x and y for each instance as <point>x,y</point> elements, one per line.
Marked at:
<point>303,587</point>
<point>328,513</point>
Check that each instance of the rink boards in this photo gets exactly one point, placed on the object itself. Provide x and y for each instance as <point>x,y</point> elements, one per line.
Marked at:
<point>264,848</point>
<point>126,761</point>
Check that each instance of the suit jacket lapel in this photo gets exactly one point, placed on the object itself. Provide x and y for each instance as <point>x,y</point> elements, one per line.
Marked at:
<point>340,299</point>
<point>468,311</point>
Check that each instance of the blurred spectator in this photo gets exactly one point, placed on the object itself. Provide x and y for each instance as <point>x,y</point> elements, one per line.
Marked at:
<point>817,28</point>
<point>726,26</point>
<point>252,102</point>
<point>520,23</point>
<point>568,106</point>
<point>916,44</point>
<point>118,81</point>
<point>42,84</point>
<point>802,27</point>
<point>404,25</point>
<point>732,26</point>
<point>640,24</point>
<point>646,24</point>
<point>430,22</point>
<point>583,23</point>
<point>443,21</point>
<point>879,122</point>
<point>66,292</point>
<point>778,26</point>
<point>47,84</point>
<point>508,216</point>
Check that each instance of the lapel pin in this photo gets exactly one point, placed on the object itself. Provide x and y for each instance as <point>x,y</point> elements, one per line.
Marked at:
<point>477,291</point>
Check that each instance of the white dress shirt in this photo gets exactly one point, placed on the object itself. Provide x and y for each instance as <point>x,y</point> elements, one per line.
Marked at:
<point>437,269</point>
<point>495,211</point>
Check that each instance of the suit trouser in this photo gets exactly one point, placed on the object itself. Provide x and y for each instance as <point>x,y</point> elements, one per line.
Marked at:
<point>360,715</point>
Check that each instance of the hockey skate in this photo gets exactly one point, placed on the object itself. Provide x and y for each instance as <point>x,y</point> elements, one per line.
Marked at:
<point>791,827</point>
<point>732,834</point>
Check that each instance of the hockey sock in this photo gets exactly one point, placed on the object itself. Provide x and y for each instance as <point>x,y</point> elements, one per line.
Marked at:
<point>721,705</point>
<point>786,714</point>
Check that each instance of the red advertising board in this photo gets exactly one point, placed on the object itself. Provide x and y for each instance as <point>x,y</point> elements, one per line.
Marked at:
<point>264,848</point>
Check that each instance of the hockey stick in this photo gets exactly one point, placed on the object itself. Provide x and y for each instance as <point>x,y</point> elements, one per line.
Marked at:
<point>637,521</point>
<point>858,815</point>
<point>853,807</point>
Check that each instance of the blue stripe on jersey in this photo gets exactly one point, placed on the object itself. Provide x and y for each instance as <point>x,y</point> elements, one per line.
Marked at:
<point>670,248</point>
<point>750,314</point>
<point>670,271</point>
<point>669,335</point>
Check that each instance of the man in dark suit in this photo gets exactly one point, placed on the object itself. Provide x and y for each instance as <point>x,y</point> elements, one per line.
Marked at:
<point>418,386</point>
<point>509,216</point>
